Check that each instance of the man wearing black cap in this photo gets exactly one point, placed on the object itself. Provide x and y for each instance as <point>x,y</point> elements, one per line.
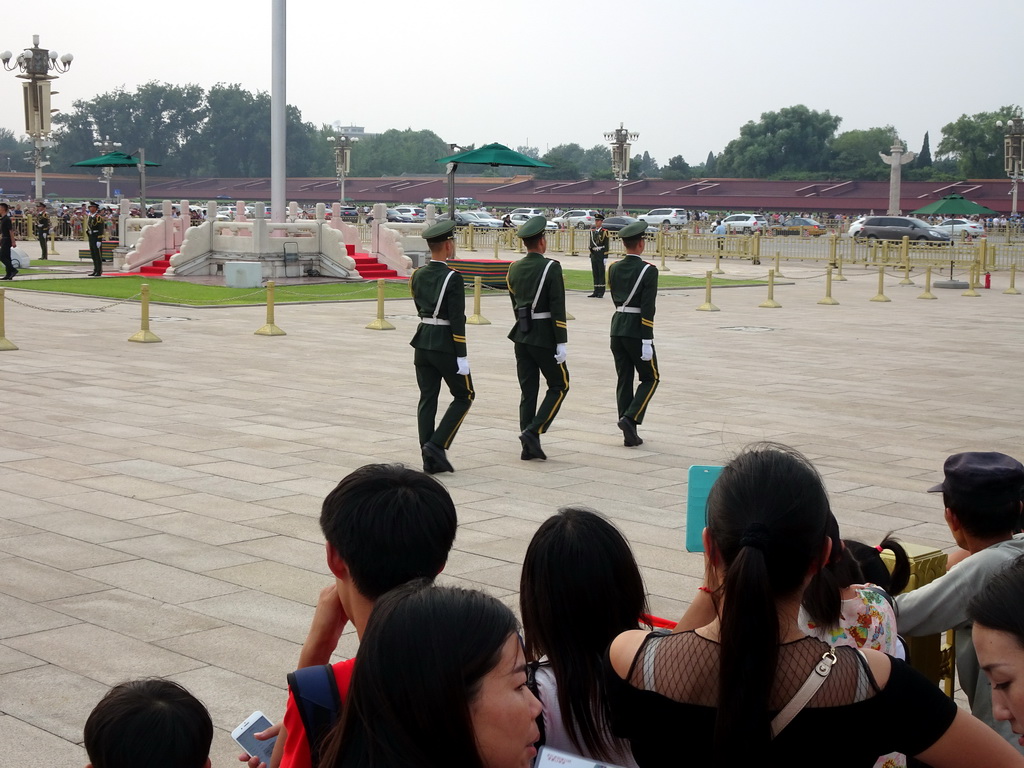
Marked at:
<point>981,494</point>
<point>540,335</point>
<point>440,344</point>
<point>94,226</point>
<point>634,286</point>
<point>599,242</point>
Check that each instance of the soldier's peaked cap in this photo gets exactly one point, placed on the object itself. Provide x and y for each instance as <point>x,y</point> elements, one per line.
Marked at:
<point>532,227</point>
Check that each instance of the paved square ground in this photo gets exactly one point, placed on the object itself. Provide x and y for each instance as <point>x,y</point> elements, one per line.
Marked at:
<point>158,502</point>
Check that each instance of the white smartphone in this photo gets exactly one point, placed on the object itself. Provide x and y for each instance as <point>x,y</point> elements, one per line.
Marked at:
<point>243,735</point>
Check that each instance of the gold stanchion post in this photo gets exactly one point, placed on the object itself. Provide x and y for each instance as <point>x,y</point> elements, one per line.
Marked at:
<point>770,303</point>
<point>839,278</point>
<point>144,335</point>
<point>707,306</point>
<point>497,239</point>
<point>5,343</point>
<point>270,329</point>
<point>476,318</point>
<point>572,241</point>
<point>1012,290</point>
<point>778,264</point>
<point>828,300</point>
<point>470,246</point>
<point>380,324</point>
<point>718,263</point>
<point>972,283</point>
<point>53,242</point>
<point>905,258</point>
<point>927,285</point>
<point>881,285</point>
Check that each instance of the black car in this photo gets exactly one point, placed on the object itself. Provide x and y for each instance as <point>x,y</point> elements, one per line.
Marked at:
<point>616,223</point>
<point>399,218</point>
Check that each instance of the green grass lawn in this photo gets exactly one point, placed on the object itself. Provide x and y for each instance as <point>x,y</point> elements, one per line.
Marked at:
<point>181,292</point>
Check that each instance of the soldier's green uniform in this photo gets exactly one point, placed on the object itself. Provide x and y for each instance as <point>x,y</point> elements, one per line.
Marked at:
<point>536,348</point>
<point>599,244</point>
<point>632,324</point>
<point>439,341</point>
<point>94,227</point>
<point>42,227</point>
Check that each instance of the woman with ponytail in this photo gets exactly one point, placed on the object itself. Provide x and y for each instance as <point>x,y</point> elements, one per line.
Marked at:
<point>740,684</point>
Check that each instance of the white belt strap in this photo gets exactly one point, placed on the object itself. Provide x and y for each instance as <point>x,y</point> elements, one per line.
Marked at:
<point>636,285</point>
<point>440,297</point>
<point>811,685</point>
<point>540,287</point>
<point>434,321</point>
<point>629,310</point>
<point>540,315</point>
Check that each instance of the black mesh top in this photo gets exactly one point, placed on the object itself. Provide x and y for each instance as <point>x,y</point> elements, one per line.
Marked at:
<point>668,704</point>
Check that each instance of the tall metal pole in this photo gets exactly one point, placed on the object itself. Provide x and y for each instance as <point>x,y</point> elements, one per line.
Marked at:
<point>1013,152</point>
<point>278,111</point>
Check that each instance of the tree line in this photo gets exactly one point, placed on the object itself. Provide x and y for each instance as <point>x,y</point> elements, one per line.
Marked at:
<point>225,131</point>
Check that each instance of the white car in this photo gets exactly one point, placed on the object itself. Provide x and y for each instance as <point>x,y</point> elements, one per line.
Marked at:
<point>19,259</point>
<point>518,219</point>
<point>747,223</point>
<point>528,212</point>
<point>856,226</point>
<point>962,228</point>
<point>676,217</point>
<point>579,218</point>
<point>413,212</point>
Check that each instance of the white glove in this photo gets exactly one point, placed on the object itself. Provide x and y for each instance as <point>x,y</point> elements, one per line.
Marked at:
<point>560,353</point>
<point>463,365</point>
<point>647,350</point>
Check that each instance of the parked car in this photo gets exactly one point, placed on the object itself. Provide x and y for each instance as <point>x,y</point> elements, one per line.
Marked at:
<point>528,212</point>
<point>518,219</point>
<point>799,225</point>
<point>414,213</point>
<point>399,218</point>
<point>961,228</point>
<point>856,226</point>
<point>747,223</point>
<point>896,227</point>
<point>616,223</point>
<point>579,218</point>
<point>478,219</point>
<point>676,217</point>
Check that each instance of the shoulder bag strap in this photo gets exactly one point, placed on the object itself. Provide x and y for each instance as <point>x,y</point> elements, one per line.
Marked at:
<point>811,685</point>
<point>444,286</point>
<point>636,285</point>
<point>540,285</point>
<point>318,701</point>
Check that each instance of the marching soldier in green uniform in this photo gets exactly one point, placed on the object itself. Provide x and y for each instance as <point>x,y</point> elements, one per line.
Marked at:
<point>599,242</point>
<point>634,287</point>
<point>42,227</point>
<point>540,334</point>
<point>440,344</point>
<point>94,226</point>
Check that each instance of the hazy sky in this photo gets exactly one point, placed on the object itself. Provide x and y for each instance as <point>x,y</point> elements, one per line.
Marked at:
<point>685,76</point>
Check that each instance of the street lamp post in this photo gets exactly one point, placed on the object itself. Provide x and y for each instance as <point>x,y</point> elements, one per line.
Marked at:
<point>1013,152</point>
<point>106,147</point>
<point>342,160</point>
<point>620,140</point>
<point>36,64</point>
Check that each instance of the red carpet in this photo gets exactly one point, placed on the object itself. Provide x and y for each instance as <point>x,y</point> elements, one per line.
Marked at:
<point>368,267</point>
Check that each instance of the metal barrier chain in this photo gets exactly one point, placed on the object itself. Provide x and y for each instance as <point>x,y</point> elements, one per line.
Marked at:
<point>7,297</point>
<point>367,289</point>
<point>176,300</point>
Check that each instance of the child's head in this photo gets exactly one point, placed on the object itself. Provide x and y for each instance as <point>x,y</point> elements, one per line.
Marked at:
<point>874,569</point>
<point>153,723</point>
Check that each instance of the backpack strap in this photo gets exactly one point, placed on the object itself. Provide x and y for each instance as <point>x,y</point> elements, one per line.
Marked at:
<point>316,696</point>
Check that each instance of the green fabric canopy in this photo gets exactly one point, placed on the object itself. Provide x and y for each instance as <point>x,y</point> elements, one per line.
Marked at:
<point>494,154</point>
<point>954,205</point>
<point>112,160</point>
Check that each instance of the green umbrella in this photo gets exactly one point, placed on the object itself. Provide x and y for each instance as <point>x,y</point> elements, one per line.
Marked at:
<point>489,154</point>
<point>113,160</point>
<point>494,154</point>
<point>954,205</point>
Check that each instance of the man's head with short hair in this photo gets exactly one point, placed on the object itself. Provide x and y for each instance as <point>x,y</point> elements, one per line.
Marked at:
<point>155,723</point>
<point>389,524</point>
<point>983,491</point>
<point>4,208</point>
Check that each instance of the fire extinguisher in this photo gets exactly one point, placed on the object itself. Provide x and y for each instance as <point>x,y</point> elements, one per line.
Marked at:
<point>988,279</point>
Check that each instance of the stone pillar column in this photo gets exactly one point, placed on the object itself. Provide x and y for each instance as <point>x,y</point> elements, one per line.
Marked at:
<point>896,161</point>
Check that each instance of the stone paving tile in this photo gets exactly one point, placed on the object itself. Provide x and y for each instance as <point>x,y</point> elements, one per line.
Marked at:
<point>188,554</point>
<point>160,582</point>
<point>133,615</point>
<point>100,654</point>
<point>197,527</point>
<point>264,613</point>
<point>24,618</point>
<point>299,504</point>
<point>239,649</point>
<point>132,487</point>
<point>287,581</point>
<point>12,660</point>
<point>51,699</point>
<point>305,527</point>
<point>60,551</point>
<point>231,697</point>
<point>282,549</point>
<point>217,507</point>
<point>85,526</point>
<point>241,490</point>
<point>110,505</point>
<point>34,582</point>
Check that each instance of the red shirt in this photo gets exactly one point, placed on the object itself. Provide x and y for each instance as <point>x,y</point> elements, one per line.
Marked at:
<point>296,745</point>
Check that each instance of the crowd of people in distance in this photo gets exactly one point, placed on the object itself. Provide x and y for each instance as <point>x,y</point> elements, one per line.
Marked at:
<point>788,653</point>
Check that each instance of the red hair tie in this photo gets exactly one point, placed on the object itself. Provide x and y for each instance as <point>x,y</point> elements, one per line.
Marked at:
<point>880,548</point>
